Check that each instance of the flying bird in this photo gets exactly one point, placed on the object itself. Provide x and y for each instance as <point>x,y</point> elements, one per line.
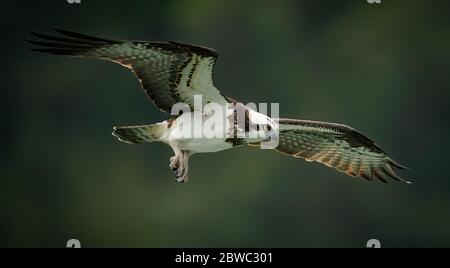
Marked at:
<point>174,73</point>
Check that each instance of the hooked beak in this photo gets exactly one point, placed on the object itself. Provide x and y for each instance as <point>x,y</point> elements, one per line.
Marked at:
<point>269,138</point>
<point>271,142</point>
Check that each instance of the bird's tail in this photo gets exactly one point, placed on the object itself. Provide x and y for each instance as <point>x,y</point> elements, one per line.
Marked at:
<point>141,134</point>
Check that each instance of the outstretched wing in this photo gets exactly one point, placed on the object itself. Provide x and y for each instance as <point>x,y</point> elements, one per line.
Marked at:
<point>169,72</point>
<point>337,146</point>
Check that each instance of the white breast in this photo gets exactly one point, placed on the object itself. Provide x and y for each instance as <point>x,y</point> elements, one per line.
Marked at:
<point>199,133</point>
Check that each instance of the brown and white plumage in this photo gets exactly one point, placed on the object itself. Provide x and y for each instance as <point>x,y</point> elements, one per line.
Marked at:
<point>337,146</point>
<point>172,73</point>
<point>169,72</point>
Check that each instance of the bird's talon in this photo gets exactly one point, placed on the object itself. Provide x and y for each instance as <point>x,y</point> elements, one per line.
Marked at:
<point>174,163</point>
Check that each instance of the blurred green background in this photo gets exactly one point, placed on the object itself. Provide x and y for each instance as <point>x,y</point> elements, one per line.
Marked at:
<point>381,68</point>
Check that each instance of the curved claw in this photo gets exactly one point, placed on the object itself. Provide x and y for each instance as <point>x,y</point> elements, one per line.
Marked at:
<point>179,166</point>
<point>180,175</point>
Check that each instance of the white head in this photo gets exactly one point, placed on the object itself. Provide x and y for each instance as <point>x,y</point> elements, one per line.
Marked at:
<point>260,127</point>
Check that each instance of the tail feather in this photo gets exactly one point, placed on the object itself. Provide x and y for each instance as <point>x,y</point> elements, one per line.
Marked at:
<point>140,134</point>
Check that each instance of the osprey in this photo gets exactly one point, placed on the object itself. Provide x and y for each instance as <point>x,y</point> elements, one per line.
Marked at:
<point>173,73</point>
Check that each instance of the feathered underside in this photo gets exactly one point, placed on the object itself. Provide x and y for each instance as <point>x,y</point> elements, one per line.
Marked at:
<point>337,146</point>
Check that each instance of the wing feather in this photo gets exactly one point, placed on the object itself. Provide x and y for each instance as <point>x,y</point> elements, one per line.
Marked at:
<point>337,146</point>
<point>169,72</point>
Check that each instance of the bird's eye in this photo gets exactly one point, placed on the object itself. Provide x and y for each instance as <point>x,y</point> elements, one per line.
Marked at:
<point>267,127</point>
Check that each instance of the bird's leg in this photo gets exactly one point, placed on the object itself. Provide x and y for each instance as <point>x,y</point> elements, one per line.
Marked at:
<point>175,160</point>
<point>181,174</point>
<point>179,164</point>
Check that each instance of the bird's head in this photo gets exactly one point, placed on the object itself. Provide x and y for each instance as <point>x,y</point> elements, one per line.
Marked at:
<point>261,127</point>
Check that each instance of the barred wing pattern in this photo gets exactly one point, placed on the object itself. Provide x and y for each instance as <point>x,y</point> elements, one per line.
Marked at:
<point>169,72</point>
<point>337,146</point>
